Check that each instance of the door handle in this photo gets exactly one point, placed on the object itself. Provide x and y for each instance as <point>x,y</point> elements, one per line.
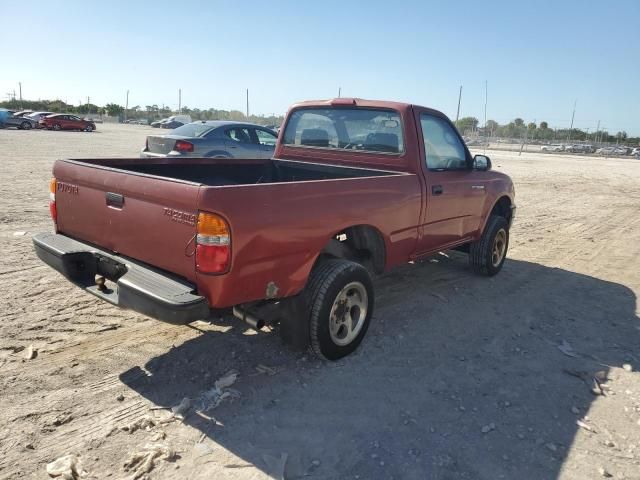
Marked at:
<point>115,200</point>
<point>477,187</point>
<point>437,189</point>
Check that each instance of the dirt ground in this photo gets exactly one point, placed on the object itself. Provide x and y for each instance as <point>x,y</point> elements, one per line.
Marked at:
<point>459,377</point>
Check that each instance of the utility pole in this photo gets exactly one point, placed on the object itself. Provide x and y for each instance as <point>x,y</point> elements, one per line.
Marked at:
<point>459,98</point>
<point>597,132</point>
<point>179,100</point>
<point>485,113</point>
<point>247,104</point>
<point>572,117</point>
<point>87,105</point>
<point>20,87</point>
<point>126,106</point>
<point>339,91</point>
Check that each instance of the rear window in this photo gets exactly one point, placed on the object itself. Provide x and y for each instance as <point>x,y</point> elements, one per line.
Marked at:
<point>192,130</point>
<point>360,129</point>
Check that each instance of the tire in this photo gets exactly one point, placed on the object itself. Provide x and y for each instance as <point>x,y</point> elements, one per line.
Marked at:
<point>333,285</point>
<point>25,126</point>
<point>88,128</point>
<point>483,254</point>
<point>57,127</point>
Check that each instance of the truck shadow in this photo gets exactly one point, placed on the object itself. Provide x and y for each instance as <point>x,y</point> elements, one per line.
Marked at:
<point>459,377</point>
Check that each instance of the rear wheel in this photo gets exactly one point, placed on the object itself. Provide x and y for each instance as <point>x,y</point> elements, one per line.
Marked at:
<point>57,126</point>
<point>25,125</point>
<point>488,254</point>
<point>340,301</point>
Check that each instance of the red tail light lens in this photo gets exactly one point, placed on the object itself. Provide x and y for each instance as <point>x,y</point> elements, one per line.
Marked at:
<point>182,146</point>
<point>213,244</point>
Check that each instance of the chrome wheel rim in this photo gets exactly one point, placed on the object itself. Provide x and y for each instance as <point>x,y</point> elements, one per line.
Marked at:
<point>499,247</point>
<point>348,313</point>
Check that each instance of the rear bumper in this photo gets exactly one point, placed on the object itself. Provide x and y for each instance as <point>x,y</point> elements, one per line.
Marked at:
<point>147,154</point>
<point>137,287</point>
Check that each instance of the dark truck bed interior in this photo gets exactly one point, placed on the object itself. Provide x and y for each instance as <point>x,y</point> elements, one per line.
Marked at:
<point>237,172</point>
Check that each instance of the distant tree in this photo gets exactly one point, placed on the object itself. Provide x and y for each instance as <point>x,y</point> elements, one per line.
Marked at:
<point>532,126</point>
<point>113,109</point>
<point>518,122</point>
<point>466,123</point>
<point>544,125</point>
<point>492,125</point>
<point>87,108</point>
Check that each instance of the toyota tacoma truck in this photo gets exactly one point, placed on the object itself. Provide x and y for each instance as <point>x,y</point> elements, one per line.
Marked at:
<point>355,187</point>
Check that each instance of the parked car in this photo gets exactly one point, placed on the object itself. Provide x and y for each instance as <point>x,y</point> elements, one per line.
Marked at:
<point>213,138</point>
<point>23,113</point>
<point>636,152</point>
<point>578,148</point>
<point>64,121</point>
<point>554,147</point>
<point>173,120</point>
<point>37,116</point>
<point>355,188</point>
<point>20,121</point>
<point>614,150</point>
<point>171,124</point>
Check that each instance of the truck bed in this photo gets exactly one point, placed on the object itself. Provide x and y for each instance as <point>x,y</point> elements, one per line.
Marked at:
<point>222,172</point>
<point>281,213</point>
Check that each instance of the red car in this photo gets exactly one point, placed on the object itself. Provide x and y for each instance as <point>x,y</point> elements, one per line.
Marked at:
<point>64,121</point>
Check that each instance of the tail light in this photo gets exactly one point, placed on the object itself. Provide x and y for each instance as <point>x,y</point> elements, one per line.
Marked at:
<point>213,244</point>
<point>182,146</point>
<point>146,144</point>
<point>52,200</point>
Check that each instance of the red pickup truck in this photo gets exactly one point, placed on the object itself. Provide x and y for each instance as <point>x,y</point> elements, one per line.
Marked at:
<point>355,187</point>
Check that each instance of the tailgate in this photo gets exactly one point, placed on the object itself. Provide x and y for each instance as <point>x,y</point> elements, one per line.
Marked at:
<point>147,218</point>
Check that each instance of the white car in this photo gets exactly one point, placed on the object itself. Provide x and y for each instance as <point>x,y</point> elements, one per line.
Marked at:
<point>37,116</point>
<point>555,147</point>
<point>612,151</point>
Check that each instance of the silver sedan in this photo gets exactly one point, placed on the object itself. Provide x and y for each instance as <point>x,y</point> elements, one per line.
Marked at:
<point>213,138</point>
<point>21,121</point>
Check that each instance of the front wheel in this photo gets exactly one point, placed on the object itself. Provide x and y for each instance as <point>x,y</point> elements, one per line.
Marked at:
<point>340,301</point>
<point>488,254</point>
<point>57,127</point>
<point>25,125</point>
<point>88,128</point>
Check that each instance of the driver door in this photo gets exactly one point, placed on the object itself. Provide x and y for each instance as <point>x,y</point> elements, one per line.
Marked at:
<point>455,192</point>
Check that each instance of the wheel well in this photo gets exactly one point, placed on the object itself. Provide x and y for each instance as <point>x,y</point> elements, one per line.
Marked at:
<point>362,244</point>
<point>502,208</point>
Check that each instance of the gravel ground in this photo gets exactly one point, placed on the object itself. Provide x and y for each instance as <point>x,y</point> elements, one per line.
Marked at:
<point>460,377</point>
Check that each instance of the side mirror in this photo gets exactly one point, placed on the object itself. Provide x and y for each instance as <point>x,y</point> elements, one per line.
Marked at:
<point>481,163</point>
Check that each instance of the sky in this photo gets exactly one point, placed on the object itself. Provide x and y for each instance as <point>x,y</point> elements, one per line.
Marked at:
<point>537,57</point>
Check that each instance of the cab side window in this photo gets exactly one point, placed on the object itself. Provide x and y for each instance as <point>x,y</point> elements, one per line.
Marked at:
<point>443,147</point>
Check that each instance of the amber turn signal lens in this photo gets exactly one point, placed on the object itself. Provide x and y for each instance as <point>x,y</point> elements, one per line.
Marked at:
<point>210,224</point>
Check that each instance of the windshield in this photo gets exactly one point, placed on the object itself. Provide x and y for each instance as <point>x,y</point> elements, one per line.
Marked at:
<point>192,130</point>
<point>362,129</point>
